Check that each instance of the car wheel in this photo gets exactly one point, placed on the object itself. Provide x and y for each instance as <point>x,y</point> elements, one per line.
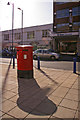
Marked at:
<point>52,57</point>
<point>35,57</point>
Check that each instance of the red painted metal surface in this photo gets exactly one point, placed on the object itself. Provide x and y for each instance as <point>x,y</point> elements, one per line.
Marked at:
<point>25,57</point>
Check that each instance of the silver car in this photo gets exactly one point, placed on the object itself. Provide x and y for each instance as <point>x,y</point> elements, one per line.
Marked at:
<point>45,53</point>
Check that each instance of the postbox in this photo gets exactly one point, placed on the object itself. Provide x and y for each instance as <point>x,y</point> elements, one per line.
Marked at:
<point>25,61</point>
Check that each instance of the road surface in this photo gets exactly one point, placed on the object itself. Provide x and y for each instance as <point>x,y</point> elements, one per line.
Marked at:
<point>64,65</point>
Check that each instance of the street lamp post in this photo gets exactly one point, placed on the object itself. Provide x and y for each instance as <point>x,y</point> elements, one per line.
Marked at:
<point>12,32</point>
<point>21,24</point>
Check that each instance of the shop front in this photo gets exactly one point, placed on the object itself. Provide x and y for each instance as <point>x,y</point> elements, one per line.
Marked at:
<point>66,42</point>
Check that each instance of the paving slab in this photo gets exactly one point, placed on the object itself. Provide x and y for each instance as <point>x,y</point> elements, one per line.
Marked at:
<point>55,99</point>
<point>7,106</point>
<point>35,114</point>
<point>60,91</point>
<point>50,94</point>
<point>14,98</point>
<point>77,115</point>
<point>1,114</point>
<point>69,104</point>
<point>18,113</point>
<point>47,107</point>
<point>7,117</point>
<point>71,96</point>
<point>78,106</point>
<point>3,99</point>
<point>8,94</point>
<point>76,85</point>
<point>64,113</point>
<point>66,84</point>
<point>74,91</point>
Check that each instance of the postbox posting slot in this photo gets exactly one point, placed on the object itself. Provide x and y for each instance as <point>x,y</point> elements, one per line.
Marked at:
<point>25,50</point>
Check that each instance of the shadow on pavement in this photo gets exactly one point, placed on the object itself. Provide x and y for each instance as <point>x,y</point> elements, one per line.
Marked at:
<point>4,83</point>
<point>33,99</point>
<point>48,76</point>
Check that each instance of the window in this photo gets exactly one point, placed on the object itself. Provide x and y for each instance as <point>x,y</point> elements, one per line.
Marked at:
<point>45,51</point>
<point>30,35</point>
<point>76,26</point>
<point>76,23</point>
<point>39,51</point>
<point>45,33</point>
<point>17,36</point>
<point>62,25</point>
<point>60,2</point>
<point>76,11</point>
<point>6,36</point>
<point>62,13</point>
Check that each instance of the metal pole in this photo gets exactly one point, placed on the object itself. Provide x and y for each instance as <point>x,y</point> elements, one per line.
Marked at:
<point>53,15</point>
<point>22,27</point>
<point>38,62</point>
<point>12,34</point>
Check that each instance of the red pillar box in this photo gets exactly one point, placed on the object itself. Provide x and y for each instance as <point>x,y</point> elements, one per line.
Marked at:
<point>25,61</point>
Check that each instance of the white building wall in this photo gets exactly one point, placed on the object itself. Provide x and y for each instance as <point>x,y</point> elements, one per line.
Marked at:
<point>38,34</point>
<point>0,40</point>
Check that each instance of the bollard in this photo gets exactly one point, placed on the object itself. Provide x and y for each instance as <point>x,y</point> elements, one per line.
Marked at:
<point>13,62</point>
<point>74,65</point>
<point>38,62</point>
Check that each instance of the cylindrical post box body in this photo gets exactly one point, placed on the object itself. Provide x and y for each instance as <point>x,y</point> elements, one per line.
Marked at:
<point>25,61</point>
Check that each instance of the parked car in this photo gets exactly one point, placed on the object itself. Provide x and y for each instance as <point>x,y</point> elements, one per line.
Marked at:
<point>45,53</point>
<point>6,53</point>
<point>51,50</point>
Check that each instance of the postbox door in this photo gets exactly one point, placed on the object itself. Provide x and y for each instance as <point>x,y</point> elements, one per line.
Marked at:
<point>24,59</point>
<point>28,59</point>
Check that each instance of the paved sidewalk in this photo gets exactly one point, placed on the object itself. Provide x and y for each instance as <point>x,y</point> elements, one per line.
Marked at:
<point>50,94</point>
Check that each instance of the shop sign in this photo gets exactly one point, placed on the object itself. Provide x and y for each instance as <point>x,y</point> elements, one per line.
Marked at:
<point>65,34</point>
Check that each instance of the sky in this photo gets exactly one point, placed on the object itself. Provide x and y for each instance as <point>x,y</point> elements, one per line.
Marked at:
<point>35,12</point>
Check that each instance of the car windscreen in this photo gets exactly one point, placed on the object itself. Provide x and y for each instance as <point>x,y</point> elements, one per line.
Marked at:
<point>45,51</point>
<point>39,51</point>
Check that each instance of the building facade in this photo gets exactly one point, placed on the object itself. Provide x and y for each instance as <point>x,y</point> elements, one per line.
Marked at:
<point>66,25</point>
<point>36,36</point>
